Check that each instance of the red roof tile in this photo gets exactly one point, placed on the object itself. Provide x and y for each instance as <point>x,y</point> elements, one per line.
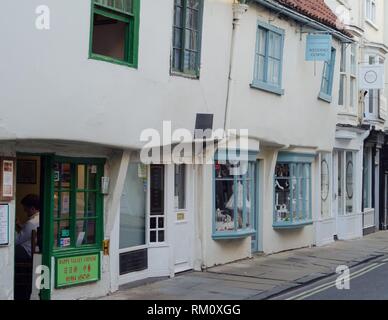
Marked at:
<point>317,10</point>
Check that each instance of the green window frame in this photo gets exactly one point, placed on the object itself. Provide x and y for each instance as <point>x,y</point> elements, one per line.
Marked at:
<point>268,71</point>
<point>126,11</point>
<point>327,78</point>
<point>233,181</point>
<point>83,197</point>
<point>293,191</point>
<point>187,36</point>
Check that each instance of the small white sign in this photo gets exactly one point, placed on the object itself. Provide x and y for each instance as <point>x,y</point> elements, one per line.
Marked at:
<point>371,77</point>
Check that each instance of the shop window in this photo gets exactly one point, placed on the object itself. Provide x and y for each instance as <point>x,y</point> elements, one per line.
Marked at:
<point>327,78</point>
<point>367,178</point>
<point>235,200</point>
<point>186,51</point>
<point>269,58</point>
<point>180,187</point>
<point>325,185</point>
<point>157,222</point>
<point>115,29</point>
<point>78,202</point>
<point>349,183</point>
<point>293,191</point>
<point>133,208</point>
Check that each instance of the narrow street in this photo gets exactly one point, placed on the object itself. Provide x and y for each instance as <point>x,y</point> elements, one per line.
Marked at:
<point>367,282</point>
<point>308,273</point>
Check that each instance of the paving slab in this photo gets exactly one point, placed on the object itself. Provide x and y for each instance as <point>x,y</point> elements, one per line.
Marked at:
<point>260,277</point>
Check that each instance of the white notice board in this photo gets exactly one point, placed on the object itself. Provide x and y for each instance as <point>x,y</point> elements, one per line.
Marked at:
<point>4,224</point>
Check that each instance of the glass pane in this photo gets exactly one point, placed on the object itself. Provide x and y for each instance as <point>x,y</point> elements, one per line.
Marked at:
<point>91,177</point>
<point>80,205</point>
<point>65,205</point>
<point>86,232</point>
<point>62,234</point>
<point>153,236</point>
<point>224,205</point>
<point>81,176</point>
<point>262,38</point>
<point>161,236</point>
<point>133,209</point>
<point>325,187</point>
<point>282,193</point>
<point>62,175</point>
<point>342,90</point>
<point>56,205</point>
<point>260,75</point>
<point>120,5</point>
<point>180,187</point>
<point>153,223</point>
<point>340,183</point>
<point>160,223</point>
<point>91,210</point>
<point>349,182</point>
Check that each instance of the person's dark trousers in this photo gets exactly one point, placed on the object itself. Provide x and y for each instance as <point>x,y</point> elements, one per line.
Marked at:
<point>23,274</point>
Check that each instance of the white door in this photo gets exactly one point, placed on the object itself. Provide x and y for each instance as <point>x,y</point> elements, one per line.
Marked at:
<point>183,220</point>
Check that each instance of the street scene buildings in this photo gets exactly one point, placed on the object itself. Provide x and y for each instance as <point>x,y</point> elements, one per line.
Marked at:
<point>92,88</point>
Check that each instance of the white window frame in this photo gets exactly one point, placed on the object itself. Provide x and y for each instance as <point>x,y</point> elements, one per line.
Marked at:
<point>371,11</point>
<point>375,114</point>
<point>348,72</point>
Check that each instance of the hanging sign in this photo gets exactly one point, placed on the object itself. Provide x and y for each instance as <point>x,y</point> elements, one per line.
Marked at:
<point>371,77</point>
<point>318,47</point>
<point>4,224</point>
<point>77,270</point>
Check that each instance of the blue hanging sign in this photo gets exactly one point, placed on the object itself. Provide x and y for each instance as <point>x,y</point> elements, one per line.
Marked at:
<point>318,47</point>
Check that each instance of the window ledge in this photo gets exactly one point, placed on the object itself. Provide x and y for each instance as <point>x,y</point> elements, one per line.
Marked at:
<point>372,24</point>
<point>293,225</point>
<point>230,235</point>
<point>184,75</point>
<point>325,97</point>
<point>266,87</point>
<point>98,57</point>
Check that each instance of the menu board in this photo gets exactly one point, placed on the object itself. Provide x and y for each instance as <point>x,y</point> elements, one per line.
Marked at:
<point>4,224</point>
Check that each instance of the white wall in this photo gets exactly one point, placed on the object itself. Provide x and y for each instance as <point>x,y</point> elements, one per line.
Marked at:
<point>296,118</point>
<point>49,77</point>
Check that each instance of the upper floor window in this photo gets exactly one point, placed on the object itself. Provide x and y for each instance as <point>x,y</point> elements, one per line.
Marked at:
<point>186,44</point>
<point>327,78</point>
<point>348,77</point>
<point>115,31</point>
<point>372,98</point>
<point>370,10</point>
<point>269,58</point>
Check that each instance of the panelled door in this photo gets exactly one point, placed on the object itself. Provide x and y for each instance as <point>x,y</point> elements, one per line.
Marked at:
<point>183,220</point>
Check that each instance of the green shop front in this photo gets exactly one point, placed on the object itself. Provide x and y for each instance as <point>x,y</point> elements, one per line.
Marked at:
<point>69,240</point>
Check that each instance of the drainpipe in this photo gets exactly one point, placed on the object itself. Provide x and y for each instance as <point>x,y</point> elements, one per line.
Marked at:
<point>239,8</point>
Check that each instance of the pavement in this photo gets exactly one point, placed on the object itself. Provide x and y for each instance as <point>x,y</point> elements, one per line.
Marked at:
<point>262,277</point>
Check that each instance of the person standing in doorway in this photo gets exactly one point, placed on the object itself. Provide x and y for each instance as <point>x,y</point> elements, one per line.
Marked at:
<point>23,250</point>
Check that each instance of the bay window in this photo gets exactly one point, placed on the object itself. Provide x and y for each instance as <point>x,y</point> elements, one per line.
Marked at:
<point>234,198</point>
<point>292,190</point>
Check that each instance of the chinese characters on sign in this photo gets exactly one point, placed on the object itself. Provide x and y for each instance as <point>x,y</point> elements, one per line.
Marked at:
<point>318,47</point>
<point>76,270</point>
<point>4,224</point>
